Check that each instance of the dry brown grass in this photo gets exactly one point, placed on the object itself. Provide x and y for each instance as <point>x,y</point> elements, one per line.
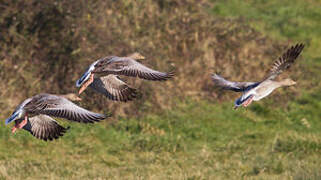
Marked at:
<point>45,47</point>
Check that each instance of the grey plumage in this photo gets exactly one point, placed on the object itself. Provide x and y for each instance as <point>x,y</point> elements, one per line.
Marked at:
<point>44,127</point>
<point>102,76</point>
<point>130,67</point>
<point>113,88</point>
<point>234,86</point>
<point>258,90</point>
<point>39,108</point>
<point>61,107</point>
<point>281,64</point>
<point>285,61</point>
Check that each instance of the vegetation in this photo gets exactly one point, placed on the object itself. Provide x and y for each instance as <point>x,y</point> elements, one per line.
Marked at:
<point>180,129</point>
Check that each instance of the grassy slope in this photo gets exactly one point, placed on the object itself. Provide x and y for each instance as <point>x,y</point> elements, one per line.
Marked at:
<point>294,21</point>
<point>197,140</point>
<point>202,140</point>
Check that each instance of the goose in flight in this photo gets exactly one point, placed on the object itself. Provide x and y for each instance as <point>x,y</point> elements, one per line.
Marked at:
<point>254,91</point>
<point>33,115</point>
<point>102,76</point>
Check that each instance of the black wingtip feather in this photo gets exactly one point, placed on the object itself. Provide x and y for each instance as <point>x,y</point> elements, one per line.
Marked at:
<point>51,134</point>
<point>285,61</point>
<point>124,95</point>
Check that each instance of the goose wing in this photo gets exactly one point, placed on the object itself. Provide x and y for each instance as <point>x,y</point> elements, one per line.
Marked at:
<point>234,86</point>
<point>44,127</point>
<point>113,88</point>
<point>57,106</point>
<point>129,67</point>
<point>285,61</point>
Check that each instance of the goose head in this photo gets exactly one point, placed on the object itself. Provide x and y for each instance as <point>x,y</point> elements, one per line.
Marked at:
<point>288,82</point>
<point>239,102</point>
<point>86,75</point>
<point>19,112</point>
<point>71,97</point>
<point>15,116</point>
<point>137,56</point>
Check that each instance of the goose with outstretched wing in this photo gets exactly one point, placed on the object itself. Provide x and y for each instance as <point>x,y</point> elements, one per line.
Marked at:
<point>102,76</point>
<point>34,115</point>
<point>254,91</point>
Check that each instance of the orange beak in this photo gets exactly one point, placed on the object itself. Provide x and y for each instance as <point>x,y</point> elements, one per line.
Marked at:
<point>83,87</point>
<point>86,84</point>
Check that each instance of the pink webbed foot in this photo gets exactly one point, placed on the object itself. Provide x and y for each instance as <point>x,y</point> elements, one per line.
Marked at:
<point>14,129</point>
<point>19,125</point>
<point>23,123</point>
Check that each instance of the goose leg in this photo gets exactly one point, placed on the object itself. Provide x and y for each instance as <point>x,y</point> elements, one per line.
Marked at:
<point>20,125</point>
<point>13,130</point>
<point>23,123</point>
<point>248,101</point>
<point>87,83</point>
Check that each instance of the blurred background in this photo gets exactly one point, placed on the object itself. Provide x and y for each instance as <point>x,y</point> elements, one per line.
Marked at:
<point>183,128</point>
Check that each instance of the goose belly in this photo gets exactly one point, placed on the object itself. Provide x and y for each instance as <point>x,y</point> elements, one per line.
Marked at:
<point>262,92</point>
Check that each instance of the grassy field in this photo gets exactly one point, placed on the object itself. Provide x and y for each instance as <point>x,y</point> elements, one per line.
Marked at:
<point>196,141</point>
<point>276,138</point>
<point>292,21</point>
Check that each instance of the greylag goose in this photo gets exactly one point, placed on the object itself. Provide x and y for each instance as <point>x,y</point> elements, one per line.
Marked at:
<point>102,76</point>
<point>33,115</point>
<point>254,91</point>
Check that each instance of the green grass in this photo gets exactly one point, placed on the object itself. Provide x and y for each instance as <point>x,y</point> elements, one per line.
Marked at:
<point>294,20</point>
<point>197,139</point>
<point>289,20</point>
